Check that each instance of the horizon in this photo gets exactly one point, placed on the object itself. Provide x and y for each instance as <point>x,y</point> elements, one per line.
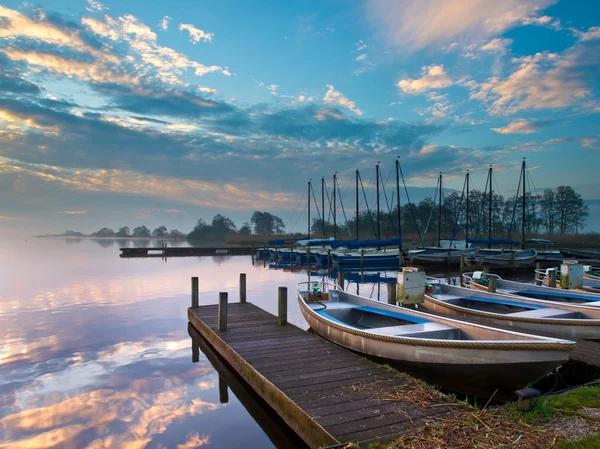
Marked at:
<point>124,114</point>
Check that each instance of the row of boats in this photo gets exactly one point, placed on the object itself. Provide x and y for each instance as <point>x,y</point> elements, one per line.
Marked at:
<point>324,255</point>
<point>491,335</point>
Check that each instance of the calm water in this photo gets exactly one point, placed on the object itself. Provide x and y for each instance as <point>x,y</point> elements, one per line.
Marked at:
<point>96,352</point>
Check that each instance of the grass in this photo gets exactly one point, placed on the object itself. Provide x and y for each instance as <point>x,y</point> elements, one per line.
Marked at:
<point>570,403</point>
<point>591,442</point>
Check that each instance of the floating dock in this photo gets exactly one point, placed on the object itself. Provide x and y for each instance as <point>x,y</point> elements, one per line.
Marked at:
<point>165,251</point>
<point>328,395</point>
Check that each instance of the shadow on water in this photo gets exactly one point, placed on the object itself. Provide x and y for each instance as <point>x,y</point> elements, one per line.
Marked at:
<point>280,434</point>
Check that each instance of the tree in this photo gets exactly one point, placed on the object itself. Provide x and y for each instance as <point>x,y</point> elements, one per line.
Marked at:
<point>221,226</point>
<point>547,210</point>
<point>123,231</point>
<point>104,232</point>
<point>176,234</point>
<point>141,231</point>
<point>266,223</point>
<point>570,209</point>
<point>160,232</point>
<point>245,229</point>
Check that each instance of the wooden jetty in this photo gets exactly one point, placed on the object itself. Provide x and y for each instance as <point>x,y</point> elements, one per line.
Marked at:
<point>166,251</point>
<point>326,394</point>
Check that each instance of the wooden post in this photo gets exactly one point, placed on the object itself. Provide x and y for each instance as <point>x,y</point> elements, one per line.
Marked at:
<point>340,278</point>
<point>243,288</point>
<point>492,284</point>
<point>551,278</point>
<point>264,256</point>
<point>223,393</point>
<point>282,306</point>
<point>362,273</point>
<point>512,260</point>
<point>195,352</point>
<point>253,251</point>
<point>391,293</point>
<point>195,295</point>
<point>462,269</point>
<point>222,315</point>
<point>538,267</point>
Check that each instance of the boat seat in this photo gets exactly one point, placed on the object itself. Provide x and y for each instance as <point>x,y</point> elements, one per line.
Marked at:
<point>336,305</point>
<point>547,312</point>
<point>422,330</point>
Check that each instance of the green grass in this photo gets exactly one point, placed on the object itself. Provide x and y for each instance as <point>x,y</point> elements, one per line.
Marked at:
<point>591,442</point>
<point>571,402</point>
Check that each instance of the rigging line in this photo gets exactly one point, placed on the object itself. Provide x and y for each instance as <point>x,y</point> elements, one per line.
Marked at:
<point>500,218</point>
<point>458,211</point>
<point>388,205</point>
<point>329,201</point>
<point>315,201</point>
<point>437,191</point>
<point>412,211</point>
<point>295,210</point>
<point>482,208</point>
<point>512,220</point>
<point>344,211</point>
<point>367,204</point>
<point>298,219</point>
<point>390,221</point>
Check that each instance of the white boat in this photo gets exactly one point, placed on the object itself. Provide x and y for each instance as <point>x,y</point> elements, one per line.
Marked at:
<point>511,258</point>
<point>483,358</point>
<point>439,256</point>
<point>514,312</point>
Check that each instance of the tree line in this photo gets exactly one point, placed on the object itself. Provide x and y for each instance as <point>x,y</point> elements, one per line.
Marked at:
<point>554,211</point>
<point>261,223</point>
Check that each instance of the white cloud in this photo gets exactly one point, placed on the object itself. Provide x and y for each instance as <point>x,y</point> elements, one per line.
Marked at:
<point>591,34</point>
<point>412,25</point>
<point>543,21</point>
<point>434,77</point>
<point>164,23</point>
<point>497,46</point>
<point>207,90</point>
<point>335,98</point>
<point>360,45</point>
<point>196,34</point>
<point>362,57</point>
<point>95,6</point>
<point>518,127</point>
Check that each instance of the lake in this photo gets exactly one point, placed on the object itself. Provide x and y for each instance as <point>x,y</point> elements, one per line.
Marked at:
<point>96,352</point>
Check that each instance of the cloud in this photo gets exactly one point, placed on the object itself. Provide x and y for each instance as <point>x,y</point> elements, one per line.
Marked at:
<point>196,34</point>
<point>518,127</point>
<point>434,77</point>
<point>4,217</point>
<point>164,23</point>
<point>95,6</point>
<point>17,85</point>
<point>544,81</point>
<point>336,99</point>
<point>543,21</point>
<point>589,35</point>
<point>361,57</point>
<point>193,441</point>
<point>72,212</point>
<point>411,25</point>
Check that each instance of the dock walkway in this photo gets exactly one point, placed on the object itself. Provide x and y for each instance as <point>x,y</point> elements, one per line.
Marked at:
<point>326,394</point>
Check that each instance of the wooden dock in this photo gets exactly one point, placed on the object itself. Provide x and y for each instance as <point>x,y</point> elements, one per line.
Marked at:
<point>165,251</point>
<point>326,394</point>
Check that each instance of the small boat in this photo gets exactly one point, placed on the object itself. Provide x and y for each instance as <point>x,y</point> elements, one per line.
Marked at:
<point>502,258</point>
<point>477,357</point>
<point>580,255</point>
<point>590,272</point>
<point>548,256</point>
<point>479,281</point>
<point>514,312</point>
<point>369,258</point>
<point>591,280</point>
<point>439,256</point>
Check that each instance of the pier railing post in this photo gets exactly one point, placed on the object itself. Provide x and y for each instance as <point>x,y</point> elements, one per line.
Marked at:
<point>391,293</point>
<point>362,260</point>
<point>194,292</point>
<point>492,284</point>
<point>462,269</point>
<point>340,278</point>
<point>195,352</point>
<point>222,316</point>
<point>243,288</point>
<point>538,280</point>
<point>223,391</point>
<point>282,306</point>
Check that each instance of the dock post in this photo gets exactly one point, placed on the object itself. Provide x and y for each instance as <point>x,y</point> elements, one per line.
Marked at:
<point>362,257</point>
<point>223,392</point>
<point>243,288</point>
<point>512,260</point>
<point>340,278</point>
<point>551,278</point>
<point>253,252</point>
<point>538,267</point>
<point>222,315</point>
<point>264,256</point>
<point>195,352</point>
<point>194,292</point>
<point>492,284</point>
<point>462,269</point>
<point>329,261</point>
<point>391,293</point>
<point>282,306</point>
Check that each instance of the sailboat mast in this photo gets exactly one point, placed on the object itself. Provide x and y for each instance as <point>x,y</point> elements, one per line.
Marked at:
<point>323,205</point>
<point>357,206</point>
<point>440,214</point>
<point>309,209</point>
<point>524,205</point>
<point>467,212</point>
<point>398,212</point>
<point>334,206</point>
<point>378,220</point>
<point>490,211</point>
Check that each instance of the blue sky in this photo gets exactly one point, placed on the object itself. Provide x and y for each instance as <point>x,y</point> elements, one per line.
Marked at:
<point>124,113</point>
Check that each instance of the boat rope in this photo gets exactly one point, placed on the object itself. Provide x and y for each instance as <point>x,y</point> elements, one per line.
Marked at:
<point>315,202</point>
<point>367,204</point>
<point>295,210</point>
<point>512,220</point>
<point>298,219</point>
<point>388,206</point>
<point>410,205</point>
<point>462,196</point>
<point>437,190</point>
<point>343,210</point>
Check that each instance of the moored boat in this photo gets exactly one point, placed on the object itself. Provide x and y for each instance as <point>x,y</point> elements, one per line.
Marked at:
<point>439,256</point>
<point>501,258</point>
<point>580,255</point>
<point>478,354</point>
<point>513,312</point>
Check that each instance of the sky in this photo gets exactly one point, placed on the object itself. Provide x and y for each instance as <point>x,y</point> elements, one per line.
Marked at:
<point>130,113</point>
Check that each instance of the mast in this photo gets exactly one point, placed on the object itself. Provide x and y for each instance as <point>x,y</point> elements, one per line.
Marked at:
<point>398,213</point>
<point>334,206</point>
<point>524,204</point>
<point>490,211</point>
<point>357,206</point>
<point>378,220</point>
<point>309,209</point>
<point>323,205</point>
<point>440,214</point>
<point>467,227</point>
